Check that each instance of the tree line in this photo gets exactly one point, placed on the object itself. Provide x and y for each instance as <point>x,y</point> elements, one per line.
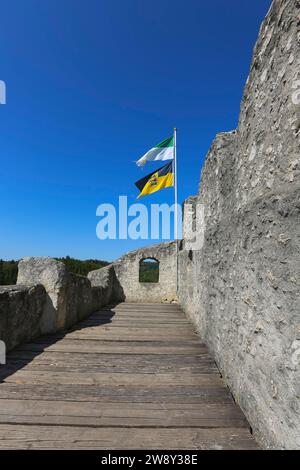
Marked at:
<point>9,269</point>
<point>8,272</point>
<point>149,271</point>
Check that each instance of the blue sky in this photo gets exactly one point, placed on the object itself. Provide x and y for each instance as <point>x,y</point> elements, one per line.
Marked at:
<point>91,86</point>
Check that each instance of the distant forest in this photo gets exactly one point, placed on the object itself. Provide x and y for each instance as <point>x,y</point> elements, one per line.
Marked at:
<point>8,272</point>
<point>149,271</point>
<point>9,269</point>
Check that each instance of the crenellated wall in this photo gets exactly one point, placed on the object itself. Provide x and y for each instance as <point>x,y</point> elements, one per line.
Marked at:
<point>242,288</point>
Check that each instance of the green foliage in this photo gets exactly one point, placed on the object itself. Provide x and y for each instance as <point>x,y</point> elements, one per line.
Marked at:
<point>82,267</point>
<point>149,271</point>
<point>8,272</point>
<point>9,269</point>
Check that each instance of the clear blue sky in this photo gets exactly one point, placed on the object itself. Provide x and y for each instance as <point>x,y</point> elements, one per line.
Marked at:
<point>92,85</point>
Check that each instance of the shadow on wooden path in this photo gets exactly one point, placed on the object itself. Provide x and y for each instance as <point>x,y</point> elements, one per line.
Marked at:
<point>134,376</point>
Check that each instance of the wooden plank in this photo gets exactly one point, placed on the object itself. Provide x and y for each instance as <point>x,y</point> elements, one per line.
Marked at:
<point>156,310</point>
<point>133,376</point>
<point>171,394</point>
<point>142,313</point>
<point>139,313</point>
<point>110,362</point>
<point>107,409</point>
<point>165,334</point>
<point>141,338</point>
<point>135,320</point>
<point>120,414</point>
<point>126,334</point>
<point>138,306</point>
<point>136,323</point>
<point>71,437</point>
<point>93,359</point>
<point>164,420</point>
<point>151,304</point>
<point>138,316</point>
<point>116,347</point>
<point>193,341</point>
<point>102,378</point>
<point>153,330</point>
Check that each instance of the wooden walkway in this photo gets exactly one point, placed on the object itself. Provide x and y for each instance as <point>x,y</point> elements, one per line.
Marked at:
<point>130,377</point>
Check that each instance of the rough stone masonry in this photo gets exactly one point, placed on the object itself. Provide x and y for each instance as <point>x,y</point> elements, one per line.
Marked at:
<point>242,289</point>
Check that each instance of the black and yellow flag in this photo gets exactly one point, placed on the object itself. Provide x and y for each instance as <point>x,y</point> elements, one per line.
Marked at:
<point>159,179</point>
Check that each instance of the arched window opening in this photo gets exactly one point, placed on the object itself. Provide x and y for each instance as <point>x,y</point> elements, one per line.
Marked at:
<point>149,270</point>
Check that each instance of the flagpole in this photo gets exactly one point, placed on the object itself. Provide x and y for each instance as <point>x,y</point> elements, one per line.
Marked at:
<point>176,202</point>
<point>175,186</point>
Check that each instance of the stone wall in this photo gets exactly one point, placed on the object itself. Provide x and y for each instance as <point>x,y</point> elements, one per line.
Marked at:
<point>127,273</point>
<point>21,310</point>
<point>242,289</point>
<point>106,280</point>
<point>47,298</point>
<point>70,297</point>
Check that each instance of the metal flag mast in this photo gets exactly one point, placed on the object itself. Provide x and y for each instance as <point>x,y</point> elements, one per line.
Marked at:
<point>175,186</point>
<point>176,203</point>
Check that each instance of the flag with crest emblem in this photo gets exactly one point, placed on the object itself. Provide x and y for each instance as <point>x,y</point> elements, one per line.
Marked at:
<point>158,179</point>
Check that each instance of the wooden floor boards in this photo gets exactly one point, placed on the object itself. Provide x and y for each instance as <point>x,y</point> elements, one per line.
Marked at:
<point>134,376</point>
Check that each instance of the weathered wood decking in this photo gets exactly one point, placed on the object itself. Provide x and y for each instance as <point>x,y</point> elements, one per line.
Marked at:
<point>130,377</point>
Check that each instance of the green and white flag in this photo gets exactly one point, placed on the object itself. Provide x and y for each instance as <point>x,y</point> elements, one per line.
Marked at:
<point>162,151</point>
